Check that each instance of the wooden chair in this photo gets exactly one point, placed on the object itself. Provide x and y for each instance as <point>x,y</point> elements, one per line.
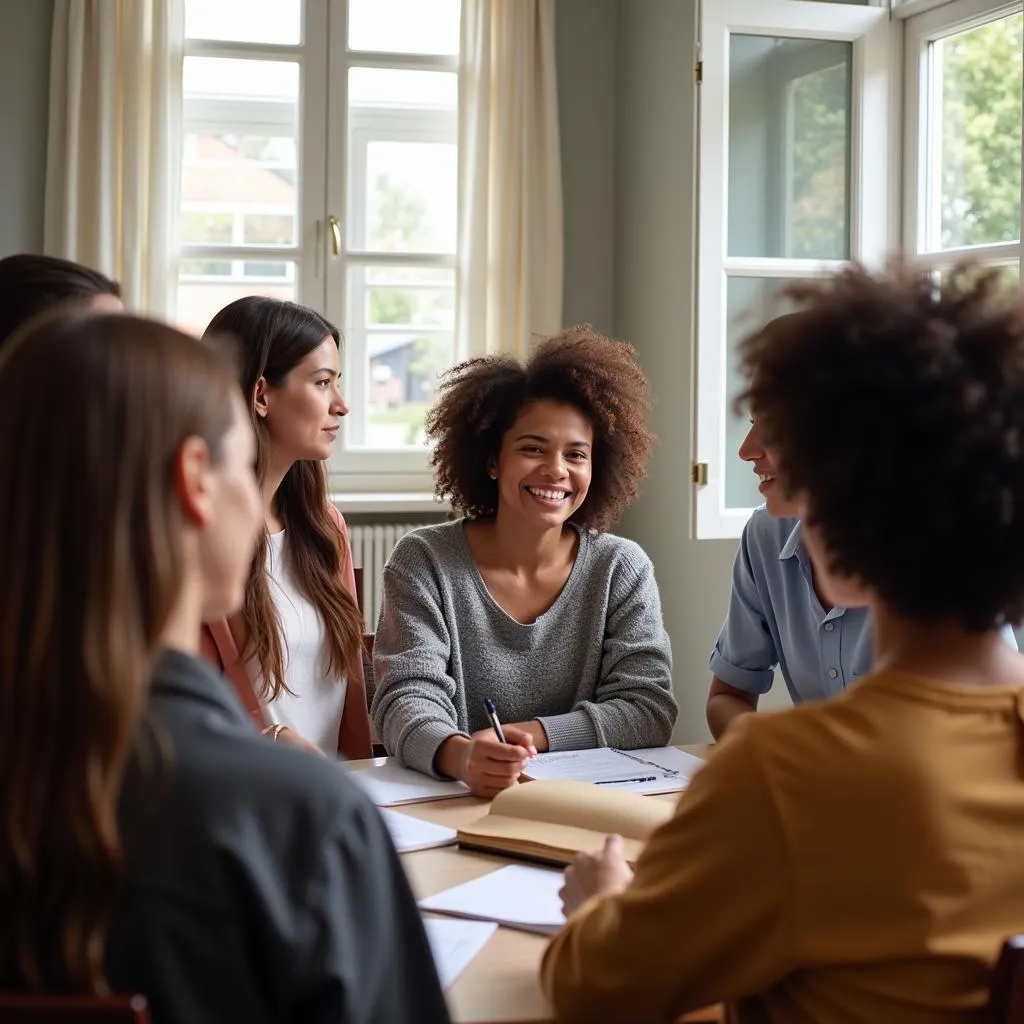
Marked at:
<point>1006,996</point>
<point>47,1009</point>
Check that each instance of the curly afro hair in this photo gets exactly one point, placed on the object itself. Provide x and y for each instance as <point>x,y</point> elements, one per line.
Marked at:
<point>479,400</point>
<point>895,408</point>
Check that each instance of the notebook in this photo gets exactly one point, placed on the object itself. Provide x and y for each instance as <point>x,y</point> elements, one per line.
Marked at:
<point>651,770</point>
<point>409,833</point>
<point>517,896</point>
<point>552,820</point>
<point>455,943</point>
<point>390,785</point>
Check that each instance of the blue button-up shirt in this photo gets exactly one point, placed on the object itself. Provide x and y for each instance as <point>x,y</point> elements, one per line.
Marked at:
<point>776,620</point>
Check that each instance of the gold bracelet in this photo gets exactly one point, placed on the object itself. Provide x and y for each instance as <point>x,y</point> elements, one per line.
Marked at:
<point>273,731</point>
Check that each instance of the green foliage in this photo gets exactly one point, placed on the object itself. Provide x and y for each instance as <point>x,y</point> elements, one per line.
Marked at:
<point>399,216</point>
<point>819,190</point>
<point>981,116</point>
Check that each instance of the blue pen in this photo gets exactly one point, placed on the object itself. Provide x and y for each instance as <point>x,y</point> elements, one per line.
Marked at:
<point>620,782</point>
<point>492,717</point>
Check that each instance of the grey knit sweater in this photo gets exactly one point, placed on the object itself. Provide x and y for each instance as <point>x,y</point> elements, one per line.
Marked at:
<point>595,669</point>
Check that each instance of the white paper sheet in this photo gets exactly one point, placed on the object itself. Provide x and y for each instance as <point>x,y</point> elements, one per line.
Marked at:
<point>455,943</point>
<point>517,896</point>
<point>409,833</point>
<point>650,770</point>
<point>390,785</point>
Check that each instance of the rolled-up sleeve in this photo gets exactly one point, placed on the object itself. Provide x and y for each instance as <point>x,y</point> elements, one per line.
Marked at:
<point>744,655</point>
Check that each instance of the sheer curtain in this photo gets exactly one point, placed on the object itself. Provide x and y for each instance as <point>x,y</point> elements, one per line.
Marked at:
<point>114,146</point>
<point>510,177</point>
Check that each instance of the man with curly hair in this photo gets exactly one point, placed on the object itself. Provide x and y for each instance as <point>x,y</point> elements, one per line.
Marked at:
<point>527,600</point>
<point>857,859</point>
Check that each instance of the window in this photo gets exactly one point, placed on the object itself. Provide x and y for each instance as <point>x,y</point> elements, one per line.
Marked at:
<point>320,165</point>
<point>962,193</point>
<point>794,182</point>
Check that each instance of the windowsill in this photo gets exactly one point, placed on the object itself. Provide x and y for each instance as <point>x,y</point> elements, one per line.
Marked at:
<point>388,501</point>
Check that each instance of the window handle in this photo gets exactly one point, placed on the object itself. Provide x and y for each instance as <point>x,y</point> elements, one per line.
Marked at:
<point>335,225</point>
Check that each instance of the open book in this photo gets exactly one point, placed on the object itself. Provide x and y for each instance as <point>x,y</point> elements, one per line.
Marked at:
<point>552,820</point>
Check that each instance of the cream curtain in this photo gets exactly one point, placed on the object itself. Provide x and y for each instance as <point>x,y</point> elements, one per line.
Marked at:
<point>114,146</point>
<point>510,178</point>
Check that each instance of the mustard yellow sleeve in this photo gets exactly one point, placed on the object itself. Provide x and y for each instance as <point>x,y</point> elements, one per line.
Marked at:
<point>708,917</point>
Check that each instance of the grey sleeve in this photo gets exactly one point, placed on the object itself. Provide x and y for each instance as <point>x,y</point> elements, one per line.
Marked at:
<point>633,705</point>
<point>364,955</point>
<point>414,702</point>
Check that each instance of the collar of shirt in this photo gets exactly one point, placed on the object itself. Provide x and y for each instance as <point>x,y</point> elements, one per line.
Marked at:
<point>794,548</point>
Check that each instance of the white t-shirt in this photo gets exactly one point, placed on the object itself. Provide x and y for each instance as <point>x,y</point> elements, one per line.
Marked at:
<point>319,696</point>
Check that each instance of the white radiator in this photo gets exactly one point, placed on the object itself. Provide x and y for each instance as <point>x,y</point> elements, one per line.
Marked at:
<point>371,546</point>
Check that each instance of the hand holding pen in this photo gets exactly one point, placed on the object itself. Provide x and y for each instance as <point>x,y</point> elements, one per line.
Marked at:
<point>496,757</point>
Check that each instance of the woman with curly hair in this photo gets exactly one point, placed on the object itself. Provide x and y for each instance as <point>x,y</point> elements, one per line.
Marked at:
<point>856,859</point>
<point>527,600</point>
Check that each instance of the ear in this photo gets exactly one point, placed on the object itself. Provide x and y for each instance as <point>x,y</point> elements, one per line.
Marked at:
<point>193,480</point>
<point>259,397</point>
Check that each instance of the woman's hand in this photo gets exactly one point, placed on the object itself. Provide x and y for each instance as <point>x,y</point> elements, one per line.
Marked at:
<point>285,734</point>
<point>595,874</point>
<point>483,762</point>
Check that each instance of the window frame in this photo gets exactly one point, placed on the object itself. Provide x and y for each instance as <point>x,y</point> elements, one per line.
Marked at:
<point>920,31</point>
<point>872,226</point>
<point>321,189</point>
<point>367,469</point>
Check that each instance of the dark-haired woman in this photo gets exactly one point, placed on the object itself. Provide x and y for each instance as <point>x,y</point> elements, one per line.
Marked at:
<point>855,860</point>
<point>151,842</point>
<point>295,651</point>
<point>30,284</point>
<point>527,600</point>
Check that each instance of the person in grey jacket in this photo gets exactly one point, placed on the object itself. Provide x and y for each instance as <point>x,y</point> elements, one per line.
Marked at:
<point>527,600</point>
<point>152,842</point>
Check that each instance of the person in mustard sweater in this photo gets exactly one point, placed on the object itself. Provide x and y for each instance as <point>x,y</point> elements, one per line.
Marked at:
<point>860,859</point>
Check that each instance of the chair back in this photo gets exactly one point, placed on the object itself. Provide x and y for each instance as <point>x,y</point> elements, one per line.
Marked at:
<point>1006,996</point>
<point>47,1009</point>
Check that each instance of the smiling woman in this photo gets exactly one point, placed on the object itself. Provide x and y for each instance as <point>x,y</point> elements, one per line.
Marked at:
<point>527,600</point>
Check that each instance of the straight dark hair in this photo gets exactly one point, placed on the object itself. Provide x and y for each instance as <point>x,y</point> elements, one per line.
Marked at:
<point>92,567</point>
<point>269,338</point>
<point>30,284</point>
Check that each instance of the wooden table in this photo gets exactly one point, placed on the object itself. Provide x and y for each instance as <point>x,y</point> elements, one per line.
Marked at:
<point>501,984</point>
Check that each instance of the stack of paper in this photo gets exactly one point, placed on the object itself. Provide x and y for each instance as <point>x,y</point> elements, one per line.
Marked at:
<point>651,770</point>
<point>525,898</point>
<point>389,785</point>
<point>455,943</point>
<point>409,833</point>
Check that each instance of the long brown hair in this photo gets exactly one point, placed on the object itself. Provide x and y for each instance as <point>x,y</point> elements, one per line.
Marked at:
<point>92,412</point>
<point>268,339</point>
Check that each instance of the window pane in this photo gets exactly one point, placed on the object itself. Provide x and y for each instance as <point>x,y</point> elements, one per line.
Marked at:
<point>268,229</point>
<point>401,328</point>
<point>404,26</point>
<point>404,163</point>
<point>750,303</point>
<point>975,100</point>
<point>207,286</point>
<point>789,147</point>
<point>240,164</point>
<point>245,21</point>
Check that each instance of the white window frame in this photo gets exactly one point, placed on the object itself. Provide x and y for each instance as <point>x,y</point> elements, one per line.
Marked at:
<point>321,186</point>
<point>873,171</point>
<point>367,469</point>
<point>269,118</point>
<point>921,30</point>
